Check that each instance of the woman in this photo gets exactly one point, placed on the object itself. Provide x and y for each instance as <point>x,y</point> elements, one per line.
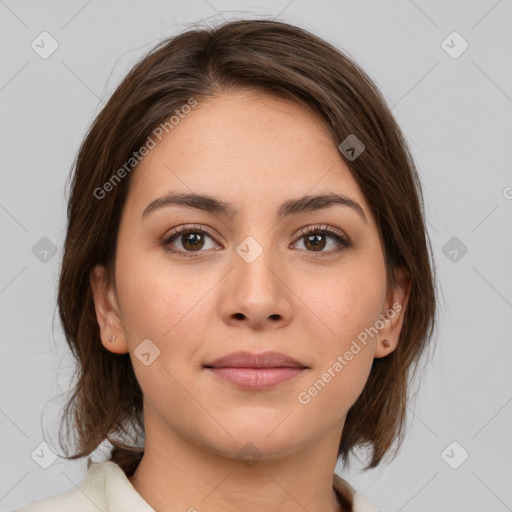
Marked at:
<point>247,279</point>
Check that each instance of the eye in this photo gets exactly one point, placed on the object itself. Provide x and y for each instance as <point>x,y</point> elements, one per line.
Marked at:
<point>194,239</point>
<point>191,238</point>
<point>316,239</point>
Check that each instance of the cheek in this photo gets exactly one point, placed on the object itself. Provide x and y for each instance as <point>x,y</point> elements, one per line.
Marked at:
<point>347,304</point>
<point>334,389</point>
<point>347,307</point>
<point>167,308</point>
<point>154,301</point>
<point>165,314</point>
<point>346,350</point>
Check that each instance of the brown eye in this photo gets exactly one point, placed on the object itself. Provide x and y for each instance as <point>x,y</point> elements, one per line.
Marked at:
<point>192,241</point>
<point>189,240</point>
<point>316,239</point>
<point>315,242</point>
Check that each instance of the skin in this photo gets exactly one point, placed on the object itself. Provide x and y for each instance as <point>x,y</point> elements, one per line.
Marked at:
<point>256,152</point>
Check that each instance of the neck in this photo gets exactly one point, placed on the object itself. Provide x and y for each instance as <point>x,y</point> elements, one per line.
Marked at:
<point>176,474</point>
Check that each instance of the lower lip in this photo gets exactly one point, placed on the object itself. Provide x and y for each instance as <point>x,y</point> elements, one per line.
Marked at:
<point>256,378</point>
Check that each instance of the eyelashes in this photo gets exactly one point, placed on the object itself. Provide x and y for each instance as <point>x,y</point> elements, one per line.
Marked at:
<point>325,231</point>
<point>181,232</point>
<point>195,236</point>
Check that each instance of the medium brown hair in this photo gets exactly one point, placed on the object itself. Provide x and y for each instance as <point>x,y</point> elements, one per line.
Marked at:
<point>282,60</point>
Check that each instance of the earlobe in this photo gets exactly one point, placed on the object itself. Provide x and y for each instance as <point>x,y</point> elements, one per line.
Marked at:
<point>105,304</point>
<point>393,315</point>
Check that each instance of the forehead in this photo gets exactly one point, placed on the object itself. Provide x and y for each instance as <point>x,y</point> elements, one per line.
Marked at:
<point>245,146</point>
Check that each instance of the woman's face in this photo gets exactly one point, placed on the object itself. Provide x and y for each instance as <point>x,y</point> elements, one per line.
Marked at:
<point>252,281</point>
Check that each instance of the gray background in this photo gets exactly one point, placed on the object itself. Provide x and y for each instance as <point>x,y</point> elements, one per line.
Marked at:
<point>456,114</point>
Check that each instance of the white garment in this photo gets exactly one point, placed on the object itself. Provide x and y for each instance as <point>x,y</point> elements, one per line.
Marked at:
<point>106,488</point>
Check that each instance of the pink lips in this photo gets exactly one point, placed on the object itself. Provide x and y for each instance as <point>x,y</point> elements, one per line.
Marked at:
<point>255,371</point>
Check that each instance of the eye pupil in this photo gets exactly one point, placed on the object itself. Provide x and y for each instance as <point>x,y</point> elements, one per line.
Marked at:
<point>194,239</point>
<point>315,240</point>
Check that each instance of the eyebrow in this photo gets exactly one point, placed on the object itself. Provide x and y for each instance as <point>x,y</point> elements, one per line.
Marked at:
<point>218,206</point>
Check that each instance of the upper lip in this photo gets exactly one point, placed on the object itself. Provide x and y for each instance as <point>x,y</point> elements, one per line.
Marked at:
<point>249,360</point>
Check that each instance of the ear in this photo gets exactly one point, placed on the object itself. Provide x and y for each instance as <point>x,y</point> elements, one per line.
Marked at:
<point>393,312</point>
<point>105,304</point>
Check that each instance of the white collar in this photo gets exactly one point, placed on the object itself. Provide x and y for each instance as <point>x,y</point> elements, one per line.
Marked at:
<point>107,486</point>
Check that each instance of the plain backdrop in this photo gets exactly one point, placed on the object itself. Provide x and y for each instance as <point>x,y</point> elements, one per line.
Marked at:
<point>454,104</point>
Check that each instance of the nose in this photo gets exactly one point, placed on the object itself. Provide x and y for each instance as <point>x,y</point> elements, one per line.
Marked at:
<point>257,293</point>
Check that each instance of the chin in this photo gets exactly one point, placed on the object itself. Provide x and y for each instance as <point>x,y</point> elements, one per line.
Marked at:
<point>251,445</point>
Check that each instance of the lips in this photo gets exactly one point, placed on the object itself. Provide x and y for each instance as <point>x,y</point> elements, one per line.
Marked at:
<point>250,360</point>
<point>255,371</point>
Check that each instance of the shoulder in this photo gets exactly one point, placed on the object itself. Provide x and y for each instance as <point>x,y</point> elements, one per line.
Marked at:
<point>88,496</point>
<point>71,500</point>
<point>357,500</point>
